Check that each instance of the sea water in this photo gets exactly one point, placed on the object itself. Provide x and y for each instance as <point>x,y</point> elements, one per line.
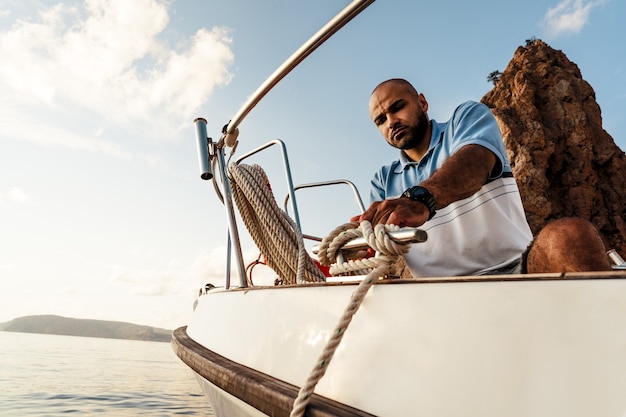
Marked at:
<point>53,376</point>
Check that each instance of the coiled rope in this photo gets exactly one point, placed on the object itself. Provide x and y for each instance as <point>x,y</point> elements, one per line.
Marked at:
<point>273,231</point>
<point>387,252</point>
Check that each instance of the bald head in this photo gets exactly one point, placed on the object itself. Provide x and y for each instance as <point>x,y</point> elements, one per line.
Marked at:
<point>399,82</point>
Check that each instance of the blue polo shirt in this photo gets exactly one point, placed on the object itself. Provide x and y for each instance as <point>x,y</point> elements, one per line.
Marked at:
<point>483,232</point>
<point>471,123</point>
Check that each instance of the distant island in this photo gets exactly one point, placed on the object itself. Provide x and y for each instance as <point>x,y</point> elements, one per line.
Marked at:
<point>50,324</point>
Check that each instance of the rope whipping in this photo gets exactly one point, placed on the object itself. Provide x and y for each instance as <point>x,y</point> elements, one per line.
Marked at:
<point>273,231</point>
<point>387,252</point>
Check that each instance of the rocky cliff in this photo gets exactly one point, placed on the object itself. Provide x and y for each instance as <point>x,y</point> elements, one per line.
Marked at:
<point>564,162</point>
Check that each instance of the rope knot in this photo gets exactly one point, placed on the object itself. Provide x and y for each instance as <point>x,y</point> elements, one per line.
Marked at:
<point>387,250</point>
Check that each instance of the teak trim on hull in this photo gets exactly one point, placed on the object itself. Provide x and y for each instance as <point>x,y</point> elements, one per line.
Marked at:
<point>269,395</point>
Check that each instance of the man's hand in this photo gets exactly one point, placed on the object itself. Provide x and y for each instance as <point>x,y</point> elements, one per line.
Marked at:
<point>399,211</point>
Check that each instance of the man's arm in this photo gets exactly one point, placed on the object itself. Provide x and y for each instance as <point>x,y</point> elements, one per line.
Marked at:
<point>461,176</point>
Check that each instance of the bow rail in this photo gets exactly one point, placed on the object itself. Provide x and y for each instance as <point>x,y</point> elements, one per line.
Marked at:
<point>229,134</point>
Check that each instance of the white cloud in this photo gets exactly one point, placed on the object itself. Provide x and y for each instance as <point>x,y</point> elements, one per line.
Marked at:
<point>19,123</point>
<point>146,282</point>
<point>208,267</point>
<point>569,16</point>
<point>105,60</point>
<point>16,196</point>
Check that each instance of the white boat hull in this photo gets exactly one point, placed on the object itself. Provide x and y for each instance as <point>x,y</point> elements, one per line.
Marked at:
<point>512,347</point>
<point>224,403</point>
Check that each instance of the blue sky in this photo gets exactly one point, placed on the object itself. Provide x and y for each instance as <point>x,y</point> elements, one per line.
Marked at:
<point>102,212</point>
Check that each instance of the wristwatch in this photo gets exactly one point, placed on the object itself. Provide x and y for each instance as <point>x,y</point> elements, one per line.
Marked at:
<point>422,195</point>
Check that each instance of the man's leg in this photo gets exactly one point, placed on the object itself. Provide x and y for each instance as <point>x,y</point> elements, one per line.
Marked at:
<point>567,245</point>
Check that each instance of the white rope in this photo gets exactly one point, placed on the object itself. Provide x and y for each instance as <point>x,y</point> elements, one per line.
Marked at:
<point>380,265</point>
<point>273,231</point>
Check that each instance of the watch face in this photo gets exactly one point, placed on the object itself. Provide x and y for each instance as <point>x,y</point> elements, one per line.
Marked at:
<point>418,192</point>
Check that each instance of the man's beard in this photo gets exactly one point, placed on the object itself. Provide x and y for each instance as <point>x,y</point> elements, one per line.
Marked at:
<point>416,133</point>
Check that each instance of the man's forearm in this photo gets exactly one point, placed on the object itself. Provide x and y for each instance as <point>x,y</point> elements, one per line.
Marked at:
<point>462,175</point>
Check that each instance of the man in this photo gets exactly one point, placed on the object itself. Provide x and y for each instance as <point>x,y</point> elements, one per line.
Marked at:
<point>454,180</point>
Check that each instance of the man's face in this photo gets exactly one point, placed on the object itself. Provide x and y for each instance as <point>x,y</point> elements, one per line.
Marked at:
<point>400,115</point>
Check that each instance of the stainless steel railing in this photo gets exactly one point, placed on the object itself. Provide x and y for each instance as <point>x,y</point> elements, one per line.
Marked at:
<point>209,151</point>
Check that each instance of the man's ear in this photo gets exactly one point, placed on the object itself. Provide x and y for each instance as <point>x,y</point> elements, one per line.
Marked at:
<point>423,102</point>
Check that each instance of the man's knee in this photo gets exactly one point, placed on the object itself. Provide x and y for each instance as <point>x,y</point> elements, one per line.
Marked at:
<point>568,245</point>
<point>569,228</point>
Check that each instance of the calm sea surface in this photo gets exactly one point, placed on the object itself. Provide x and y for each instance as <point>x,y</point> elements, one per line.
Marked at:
<point>47,375</point>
